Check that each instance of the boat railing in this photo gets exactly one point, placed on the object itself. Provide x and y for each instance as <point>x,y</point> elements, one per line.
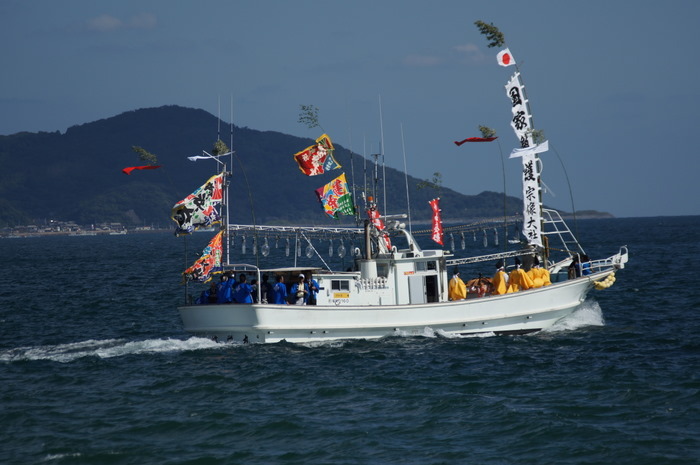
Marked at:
<point>554,225</point>
<point>612,263</point>
<point>247,268</point>
<point>490,257</point>
<point>615,262</point>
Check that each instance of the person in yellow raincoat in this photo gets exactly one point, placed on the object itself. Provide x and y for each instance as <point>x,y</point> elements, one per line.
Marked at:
<point>518,279</point>
<point>457,289</point>
<point>500,280</point>
<point>539,275</point>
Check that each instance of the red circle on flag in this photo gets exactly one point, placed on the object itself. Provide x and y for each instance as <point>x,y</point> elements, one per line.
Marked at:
<point>506,58</point>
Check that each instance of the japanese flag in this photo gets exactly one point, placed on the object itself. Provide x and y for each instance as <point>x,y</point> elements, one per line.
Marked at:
<point>505,58</point>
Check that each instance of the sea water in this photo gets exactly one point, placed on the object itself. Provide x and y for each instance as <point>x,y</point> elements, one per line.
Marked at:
<point>96,369</point>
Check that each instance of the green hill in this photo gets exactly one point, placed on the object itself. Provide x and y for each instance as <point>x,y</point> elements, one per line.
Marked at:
<point>78,175</point>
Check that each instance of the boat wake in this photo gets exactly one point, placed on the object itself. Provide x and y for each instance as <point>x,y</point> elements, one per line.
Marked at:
<point>107,348</point>
<point>588,314</point>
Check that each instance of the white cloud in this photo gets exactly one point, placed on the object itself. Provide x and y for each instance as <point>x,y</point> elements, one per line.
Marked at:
<point>104,23</point>
<point>422,60</point>
<point>470,52</point>
<point>109,23</point>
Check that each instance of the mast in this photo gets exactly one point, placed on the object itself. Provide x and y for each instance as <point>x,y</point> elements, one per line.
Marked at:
<point>226,184</point>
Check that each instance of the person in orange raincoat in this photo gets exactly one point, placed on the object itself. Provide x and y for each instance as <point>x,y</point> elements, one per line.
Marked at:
<point>457,289</point>
<point>519,279</point>
<point>500,280</point>
<point>539,275</point>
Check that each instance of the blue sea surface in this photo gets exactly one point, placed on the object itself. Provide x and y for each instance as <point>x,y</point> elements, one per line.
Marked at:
<point>96,369</point>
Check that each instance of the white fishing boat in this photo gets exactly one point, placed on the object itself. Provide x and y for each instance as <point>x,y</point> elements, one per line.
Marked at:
<point>393,286</point>
<point>402,291</point>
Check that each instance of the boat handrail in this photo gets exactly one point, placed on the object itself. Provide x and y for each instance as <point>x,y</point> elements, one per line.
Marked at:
<point>486,258</point>
<point>559,228</point>
<point>245,267</point>
<point>269,228</point>
<point>614,262</point>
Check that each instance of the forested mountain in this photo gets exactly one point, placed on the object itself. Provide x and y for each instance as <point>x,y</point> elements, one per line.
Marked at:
<point>78,175</point>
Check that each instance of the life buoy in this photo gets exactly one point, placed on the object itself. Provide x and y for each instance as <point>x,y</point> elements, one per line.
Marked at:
<point>606,283</point>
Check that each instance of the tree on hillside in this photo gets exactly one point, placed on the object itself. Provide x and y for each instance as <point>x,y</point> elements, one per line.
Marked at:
<point>434,183</point>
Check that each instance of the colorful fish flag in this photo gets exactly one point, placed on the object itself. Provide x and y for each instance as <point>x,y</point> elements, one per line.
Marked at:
<point>129,169</point>
<point>336,198</point>
<point>318,158</point>
<point>208,264</point>
<point>437,234</point>
<point>199,208</point>
<point>505,58</point>
<point>475,139</point>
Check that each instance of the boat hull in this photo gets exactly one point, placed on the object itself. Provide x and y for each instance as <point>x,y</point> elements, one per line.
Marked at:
<point>516,313</point>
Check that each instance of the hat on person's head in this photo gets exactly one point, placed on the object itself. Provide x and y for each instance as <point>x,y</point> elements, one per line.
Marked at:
<point>301,275</point>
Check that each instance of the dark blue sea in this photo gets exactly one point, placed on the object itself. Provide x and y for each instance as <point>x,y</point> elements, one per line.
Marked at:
<point>96,369</point>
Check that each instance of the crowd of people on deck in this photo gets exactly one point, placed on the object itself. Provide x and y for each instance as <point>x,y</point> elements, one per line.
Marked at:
<point>517,280</point>
<point>305,292</point>
<point>229,290</point>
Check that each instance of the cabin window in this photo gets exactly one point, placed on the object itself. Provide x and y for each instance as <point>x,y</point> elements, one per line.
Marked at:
<point>383,270</point>
<point>421,266</point>
<point>340,285</point>
<point>432,265</point>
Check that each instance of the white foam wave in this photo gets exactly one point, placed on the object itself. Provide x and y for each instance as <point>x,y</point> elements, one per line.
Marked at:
<point>52,457</point>
<point>588,314</point>
<point>107,348</point>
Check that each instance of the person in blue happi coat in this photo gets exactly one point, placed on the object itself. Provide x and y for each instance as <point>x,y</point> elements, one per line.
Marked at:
<point>279,291</point>
<point>223,290</point>
<point>242,291</point>
<point>313,291</point>
<point>208,296</point>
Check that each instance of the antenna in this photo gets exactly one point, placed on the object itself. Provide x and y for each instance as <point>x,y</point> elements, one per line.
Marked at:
<point>364,155</point>
<point>218,127</point>
<point>375,183</point>
<point>352,162</point>
<point>381,150</point>
<point>232,150</point>
<point>405,171</point>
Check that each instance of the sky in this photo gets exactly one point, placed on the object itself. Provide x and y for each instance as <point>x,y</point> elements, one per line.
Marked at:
<point>612,84</point>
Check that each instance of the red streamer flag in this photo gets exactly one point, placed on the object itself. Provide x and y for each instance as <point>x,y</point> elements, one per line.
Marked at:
<point>129,169</point>
<point>437,234</point>
<point>376,218</point>
<point>475,139</point>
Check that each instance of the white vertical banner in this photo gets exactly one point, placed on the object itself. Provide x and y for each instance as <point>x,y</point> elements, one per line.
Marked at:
<point>522,125</point>
<point>522,120</point>
<point>532,224</point>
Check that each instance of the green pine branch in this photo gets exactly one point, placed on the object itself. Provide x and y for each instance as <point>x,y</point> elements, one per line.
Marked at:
<point>145,155</point>
<point>493,35</point>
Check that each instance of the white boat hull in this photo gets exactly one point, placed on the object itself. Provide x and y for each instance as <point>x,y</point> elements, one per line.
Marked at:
<point>516,313</point>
